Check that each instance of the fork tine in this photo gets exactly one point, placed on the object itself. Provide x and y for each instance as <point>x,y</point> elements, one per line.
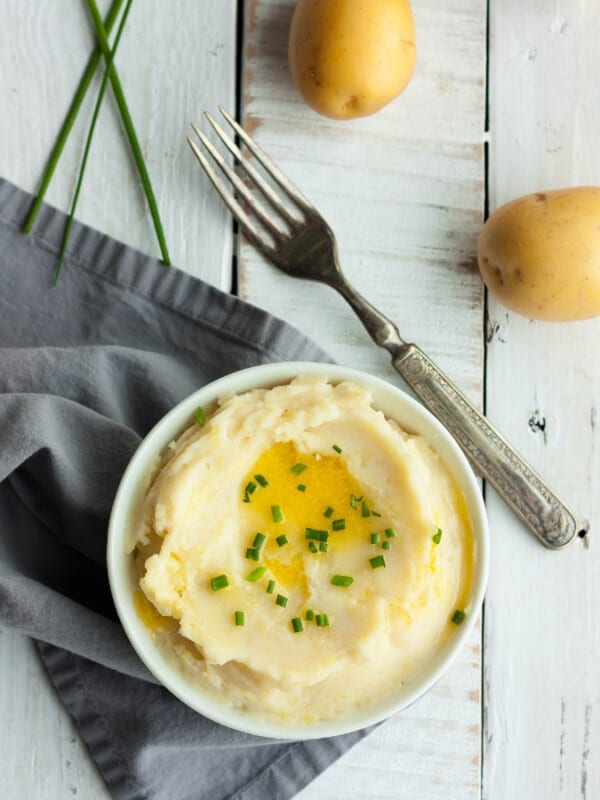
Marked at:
<point>246,224</point>
<point>278,176</point>
<point>257,207</point>
<point>259,181</point>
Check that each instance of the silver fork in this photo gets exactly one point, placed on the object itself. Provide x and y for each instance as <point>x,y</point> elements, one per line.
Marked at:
<point>304,246</point>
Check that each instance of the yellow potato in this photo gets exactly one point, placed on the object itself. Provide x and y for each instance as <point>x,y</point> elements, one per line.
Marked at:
<point>349,58</point>
<point>539,255</point>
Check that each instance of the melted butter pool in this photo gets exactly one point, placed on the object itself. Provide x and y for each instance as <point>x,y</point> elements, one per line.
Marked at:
<point>328,484</point>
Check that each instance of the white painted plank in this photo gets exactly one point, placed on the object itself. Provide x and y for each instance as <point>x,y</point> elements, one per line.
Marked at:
<point>175,59</point>
<point>404,192</point>
<point>542,638</point>
<point>42,753</point>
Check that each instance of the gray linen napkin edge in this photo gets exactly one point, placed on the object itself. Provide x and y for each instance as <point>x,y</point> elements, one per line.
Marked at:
<point>280,780</point>
<point>127,268</point>
<point>104,260</point>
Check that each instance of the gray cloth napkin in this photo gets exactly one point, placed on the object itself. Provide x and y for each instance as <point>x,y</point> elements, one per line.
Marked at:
<point>85,371</point>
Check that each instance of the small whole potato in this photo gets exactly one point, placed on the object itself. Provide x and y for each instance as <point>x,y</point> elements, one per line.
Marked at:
<point>539,255</point>
<point>349,58</point>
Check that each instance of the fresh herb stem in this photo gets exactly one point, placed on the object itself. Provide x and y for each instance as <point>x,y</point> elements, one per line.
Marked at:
<point>69,121</point>
<point>129,129</point>
<point>88,142</point>
<point>256,574</point>
<point>342,580</point>
<point>297,625</point>
<point>219,581</point>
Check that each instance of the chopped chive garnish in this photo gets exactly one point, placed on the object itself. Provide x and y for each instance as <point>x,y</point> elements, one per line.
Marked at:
<point>313,547</point>
<point>239,618</point>
<point>298,469</point>
<point>277,513</point>
<point>375,537</point>
<point>251,487</point>
<point>270,587</point>
<point>322,620</point>
<point>280,600</point>
<point>281,540</point>
<point>353,501</point>
<point>390,533</point>
<point>342,580</point>
<point>301,487</point>
<point>252,554</point>
<point>364,510</point>
<point>338,525</point>
<point>458,616</point>
<point>328,512</point>
<point>316,535</point>
<point>219,582</point>
<point>310,615</point>
<point>259,540</point>
<point>375,514</point>
<point>246,497</point>
<point>377,561</point>
<point>323,547</point>
<point>256,574</point>
<point>337,448</point>
<point>262,480</point>
<point>437,536</point>
<point>360,499</point>
<point>200,415</point>
<point>387,545</point>
<point>297,625</point>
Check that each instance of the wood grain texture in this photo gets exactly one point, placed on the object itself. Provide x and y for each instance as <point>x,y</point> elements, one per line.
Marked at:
<point>43,757</point>
<point>542,637</point>
<point>404,192</point>
<point>173,61</point>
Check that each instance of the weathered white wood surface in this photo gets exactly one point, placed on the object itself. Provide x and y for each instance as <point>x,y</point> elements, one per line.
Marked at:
<point>174,59</point>
<point>404,192</point>
<point>542,637</point>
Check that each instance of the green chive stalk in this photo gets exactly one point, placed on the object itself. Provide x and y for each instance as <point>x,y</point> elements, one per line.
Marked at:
<point>69,120</point>
<point>129,128</point>
<point>88,144</point>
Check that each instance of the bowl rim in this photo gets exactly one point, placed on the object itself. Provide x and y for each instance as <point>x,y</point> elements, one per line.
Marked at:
<point>135,479</point>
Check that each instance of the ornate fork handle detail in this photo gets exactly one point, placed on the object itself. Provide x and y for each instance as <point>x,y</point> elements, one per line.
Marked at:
<point>490,454</point>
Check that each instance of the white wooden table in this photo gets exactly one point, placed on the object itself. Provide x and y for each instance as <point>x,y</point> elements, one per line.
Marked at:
<point>501,104</point>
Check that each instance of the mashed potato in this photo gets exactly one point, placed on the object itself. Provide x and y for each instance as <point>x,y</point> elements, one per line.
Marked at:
<point>301,554</point>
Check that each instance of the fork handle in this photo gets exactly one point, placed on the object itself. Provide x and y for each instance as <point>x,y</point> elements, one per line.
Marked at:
<point>492,456</point>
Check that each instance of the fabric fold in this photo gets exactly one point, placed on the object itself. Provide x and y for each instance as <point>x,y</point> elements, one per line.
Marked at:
<point>85,371</point>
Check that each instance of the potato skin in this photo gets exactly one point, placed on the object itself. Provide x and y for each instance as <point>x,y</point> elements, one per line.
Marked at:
<point>349,58</point>
<point>539,255</point>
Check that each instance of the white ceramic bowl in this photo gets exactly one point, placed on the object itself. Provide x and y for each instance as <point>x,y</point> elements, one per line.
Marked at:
<point>396,405</point>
